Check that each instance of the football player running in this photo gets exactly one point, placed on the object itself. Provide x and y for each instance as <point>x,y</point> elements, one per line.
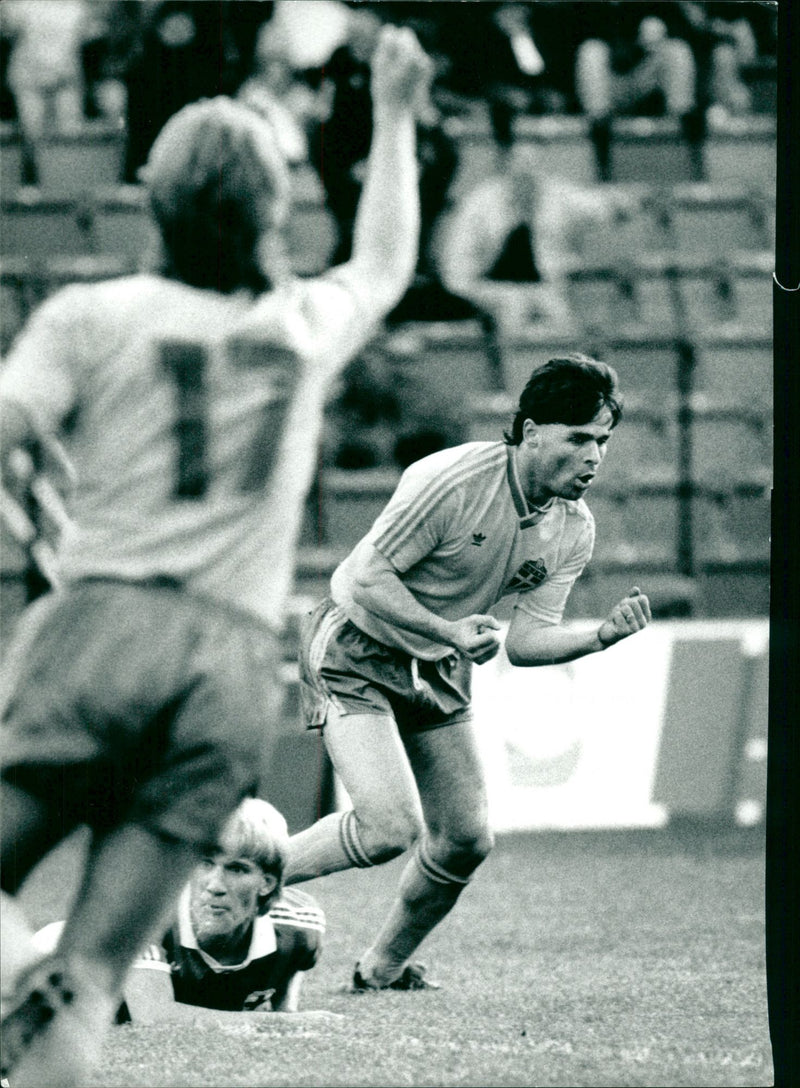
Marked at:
<point>386,661</point>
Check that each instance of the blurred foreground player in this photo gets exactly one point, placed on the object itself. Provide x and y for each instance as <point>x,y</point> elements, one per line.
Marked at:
<point>387,660</point>
<point>140,694</point>
<point>238,942</point>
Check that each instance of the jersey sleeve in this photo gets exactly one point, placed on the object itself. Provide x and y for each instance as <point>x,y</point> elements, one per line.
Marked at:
<point>415,520</point>
<point>40,372</point>
<point>299,914</point>
<point>546,602</point>
<point>339,317</point>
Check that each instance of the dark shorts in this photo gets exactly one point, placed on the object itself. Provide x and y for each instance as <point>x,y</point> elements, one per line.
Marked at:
<point>344,668</point>
<point>139,703</point>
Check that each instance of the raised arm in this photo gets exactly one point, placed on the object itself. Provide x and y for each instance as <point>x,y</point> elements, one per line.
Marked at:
<point>531,643</point>
<point>378,588</point>
<point>386,234</point>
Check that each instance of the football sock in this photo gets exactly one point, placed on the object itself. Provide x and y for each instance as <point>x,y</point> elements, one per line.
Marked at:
<point>427,893</point>
<point>328,846</point>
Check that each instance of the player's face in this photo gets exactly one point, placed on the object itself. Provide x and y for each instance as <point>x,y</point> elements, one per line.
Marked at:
<point>224,900</point>
<point>563,459</point>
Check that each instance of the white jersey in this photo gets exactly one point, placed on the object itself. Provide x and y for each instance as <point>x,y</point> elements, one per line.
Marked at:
<point>192,419</point>
<point>461,535</point>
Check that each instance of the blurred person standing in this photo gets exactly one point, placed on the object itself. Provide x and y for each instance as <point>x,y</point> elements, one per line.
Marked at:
<point>633,60</point>
<point>386,660</point>
<point>44,69</point>
<point>140,695</point>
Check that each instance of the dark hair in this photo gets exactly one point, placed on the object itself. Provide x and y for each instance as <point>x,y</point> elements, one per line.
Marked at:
<point>570,390</point>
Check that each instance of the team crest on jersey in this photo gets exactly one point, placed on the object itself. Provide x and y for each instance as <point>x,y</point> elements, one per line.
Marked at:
<point>531,574</point>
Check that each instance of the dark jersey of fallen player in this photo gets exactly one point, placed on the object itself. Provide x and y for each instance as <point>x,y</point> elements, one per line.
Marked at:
<point>284,941</point>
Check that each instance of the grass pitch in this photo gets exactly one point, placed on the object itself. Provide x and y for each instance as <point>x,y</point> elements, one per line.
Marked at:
<point>573,959</point>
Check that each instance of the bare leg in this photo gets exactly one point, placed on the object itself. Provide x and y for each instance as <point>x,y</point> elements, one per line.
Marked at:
<point>29,831</point>
<point>453,792</point>
<point>371,762</point>
<point>132,878</point>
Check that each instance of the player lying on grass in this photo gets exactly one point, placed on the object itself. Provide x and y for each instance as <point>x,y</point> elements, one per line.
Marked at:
<point>238,942</point>
<point>386,661</point>
<point>140,696</point>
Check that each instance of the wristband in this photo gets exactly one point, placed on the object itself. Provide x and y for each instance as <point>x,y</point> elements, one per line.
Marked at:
<point>605,645</point>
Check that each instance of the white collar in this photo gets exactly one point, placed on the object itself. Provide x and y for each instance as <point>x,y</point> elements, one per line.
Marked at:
<point>262,942</point>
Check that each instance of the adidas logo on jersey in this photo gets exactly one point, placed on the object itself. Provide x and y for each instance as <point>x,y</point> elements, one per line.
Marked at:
<point>478,539</point>
<point>531,574</point>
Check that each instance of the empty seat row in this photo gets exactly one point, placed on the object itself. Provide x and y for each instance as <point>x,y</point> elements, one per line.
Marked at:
<point>116,221</point>
<point>642,149</point>
<point>674,292</point>
<point>732,364</point>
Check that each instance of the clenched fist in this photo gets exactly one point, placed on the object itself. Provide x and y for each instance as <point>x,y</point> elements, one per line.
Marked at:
<point>475,637</point>
<point>401,70</point>
<point>632,614</point>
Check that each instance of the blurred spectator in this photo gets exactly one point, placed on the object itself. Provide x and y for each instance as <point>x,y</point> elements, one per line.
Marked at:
<point>507,55</point>
<point>277,92</point>
<point>347,131</point>
<point>44,68</point>
<point>506,244</point>
<point>172,52</point>
<point>633,61</point>
<point>724,45</point>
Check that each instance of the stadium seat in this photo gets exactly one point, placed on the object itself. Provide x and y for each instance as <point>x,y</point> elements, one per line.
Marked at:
<point>10,159</point>
<point>651,150</point>
<point>751,278</point>
<point>349,502</point>
<point>314,568</point>
<point>704,292</point>
<point>451,358</point>
<point>488,415</point>
<point>36,226</point>
<point>731,526</point>
<point>713,220</point>
<point>121,223</point>
<point>654,292</point>
<point>643,448</point>
<point>522,354</point>
<point>645,360</point>
<point>70,165</point>
<point>742,149</point>
<point>614,541</point>
<point>61,271</point>
<point>653,522</point>
<point>735,366</point>
<point>729,443</point>
<point>601,299</point>
<point>558,146</point>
